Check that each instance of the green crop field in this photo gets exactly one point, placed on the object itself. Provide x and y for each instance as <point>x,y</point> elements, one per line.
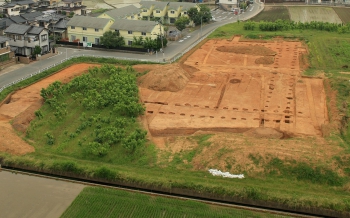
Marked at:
<point>101,202</point>
<point>343,13</point>
<point>272,14</point>
<point>307,14</point>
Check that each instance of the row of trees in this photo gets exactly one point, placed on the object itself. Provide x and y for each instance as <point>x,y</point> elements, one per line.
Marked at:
<point>282,25</point>
<point>112,39</point>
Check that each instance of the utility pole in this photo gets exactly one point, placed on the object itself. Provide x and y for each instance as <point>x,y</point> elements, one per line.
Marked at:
<point>161,39</point>
<point>201,24</point>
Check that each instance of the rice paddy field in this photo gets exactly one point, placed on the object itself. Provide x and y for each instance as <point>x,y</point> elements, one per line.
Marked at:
<point>343,13</point>
<point>304,14</point>
<point>307,14</point>
<point>102,202</point>
<point>272,14</point>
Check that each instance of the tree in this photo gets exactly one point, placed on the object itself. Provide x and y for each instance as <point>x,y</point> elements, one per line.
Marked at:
<point>111,39</point>
<point>204,15</point>
<point>36,51</point>
<point>181,23</point>
<point>71,14</point>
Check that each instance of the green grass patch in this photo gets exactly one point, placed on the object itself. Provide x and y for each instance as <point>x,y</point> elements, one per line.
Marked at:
<point>102,202</point>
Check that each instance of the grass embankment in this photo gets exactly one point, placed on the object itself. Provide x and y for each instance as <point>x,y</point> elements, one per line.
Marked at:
<point>100,202</point>
<point>290,183</point>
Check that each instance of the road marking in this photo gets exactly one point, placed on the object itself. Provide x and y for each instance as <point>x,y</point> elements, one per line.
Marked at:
<point>251,8</point>
<point>224,17</point>
<point>181,40</point>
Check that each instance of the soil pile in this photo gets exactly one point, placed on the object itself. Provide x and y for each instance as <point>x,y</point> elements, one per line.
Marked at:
<point>261,132</point>
<point>165,78</point>
<point>22,121</point>
<point>257,50</point>
<point>264,60</point>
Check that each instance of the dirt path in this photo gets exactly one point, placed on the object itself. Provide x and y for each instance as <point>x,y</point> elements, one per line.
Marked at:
<point>21,107</point>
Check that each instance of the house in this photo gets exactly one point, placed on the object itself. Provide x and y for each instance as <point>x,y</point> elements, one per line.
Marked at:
<point>59,28</point>
<point>151,10</point>
<point>31,17</point>
<point>178,9</point>
<point>130,28</point>
<point>167,12</point>
<point>229,4</point>
<point>75,6</point>
<point>24,38</point>
<point>6,55</point>
<point>129,12</point>
<point>16,7</point>
<point>87,29</point>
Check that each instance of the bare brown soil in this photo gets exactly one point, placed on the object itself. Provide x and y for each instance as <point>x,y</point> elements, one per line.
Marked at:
<point>21,107</point>
<point>169,77</point>
<point>230,92</point>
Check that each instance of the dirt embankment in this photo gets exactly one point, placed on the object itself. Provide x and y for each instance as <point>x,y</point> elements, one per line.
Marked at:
<point>21,106</point>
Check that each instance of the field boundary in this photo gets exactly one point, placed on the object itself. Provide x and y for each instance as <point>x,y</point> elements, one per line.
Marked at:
<point>176,192</point>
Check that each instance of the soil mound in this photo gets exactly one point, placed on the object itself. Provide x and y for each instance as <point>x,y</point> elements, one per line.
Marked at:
<point>165,78</point>
<point>264,60</point>
<point>261,132</point>
<point>257,50</point>
<point>22,121</point>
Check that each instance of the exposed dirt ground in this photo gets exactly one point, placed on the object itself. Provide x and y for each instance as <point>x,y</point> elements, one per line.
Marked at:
<point>231,92</point>
<point>214,91</point>
<point>21,107</point>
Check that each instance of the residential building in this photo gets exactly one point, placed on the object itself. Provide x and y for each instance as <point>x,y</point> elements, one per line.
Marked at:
<point>24,38</point>
<point>151,10</point>
<point>87,29</point>
<point>75,6</point>
<point>59,28</point>
<point>130,28</point>
<point>129,12</point>
<point>167,12</point>
<point>6,55</point>
<point>179,9</point>
<point>16,7</point>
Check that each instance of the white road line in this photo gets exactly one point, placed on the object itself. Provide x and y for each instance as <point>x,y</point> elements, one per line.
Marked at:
<point>181,40</point>
<point>251,8</point>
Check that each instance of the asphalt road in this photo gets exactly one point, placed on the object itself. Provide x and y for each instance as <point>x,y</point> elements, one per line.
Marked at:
<point>173,49</point>
<point>34,197</point>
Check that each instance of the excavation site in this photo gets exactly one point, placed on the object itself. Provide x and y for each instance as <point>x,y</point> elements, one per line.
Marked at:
<point>236,86</point>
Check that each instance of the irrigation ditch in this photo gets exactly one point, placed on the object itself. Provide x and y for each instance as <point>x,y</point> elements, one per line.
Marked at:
<point>177,193</point>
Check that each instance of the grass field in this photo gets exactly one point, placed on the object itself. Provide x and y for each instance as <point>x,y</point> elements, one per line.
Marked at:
<point>272,14</point>
<point>99,202</point>
<point>307,14</point>
<point>343,13</point>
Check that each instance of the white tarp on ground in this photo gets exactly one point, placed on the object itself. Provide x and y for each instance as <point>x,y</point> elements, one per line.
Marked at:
<point>216,172</point>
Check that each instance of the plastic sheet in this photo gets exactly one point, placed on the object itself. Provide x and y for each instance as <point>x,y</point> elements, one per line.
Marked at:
<point>216,172</point>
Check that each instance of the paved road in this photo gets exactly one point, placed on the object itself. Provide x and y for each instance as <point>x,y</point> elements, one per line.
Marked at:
<point>34,197</point>
<point>173,49</point>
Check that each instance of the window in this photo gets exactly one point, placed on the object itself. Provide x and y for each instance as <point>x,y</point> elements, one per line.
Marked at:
<point>72,27</point>
<point>116,31</point>
<point>130,42</point>
<point>185,12</point>
<point>144,10</point>
<point>172,20</point>
<point>157,11</point>
<point>84,28</point>
<point>72,38</point>
<point>85,39</point>
<point>96,30</point>
<point>143,33</point>
<point>97,41</point>
<point>43,37</point>
<point>172,12</point>
<point>129,32</point>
